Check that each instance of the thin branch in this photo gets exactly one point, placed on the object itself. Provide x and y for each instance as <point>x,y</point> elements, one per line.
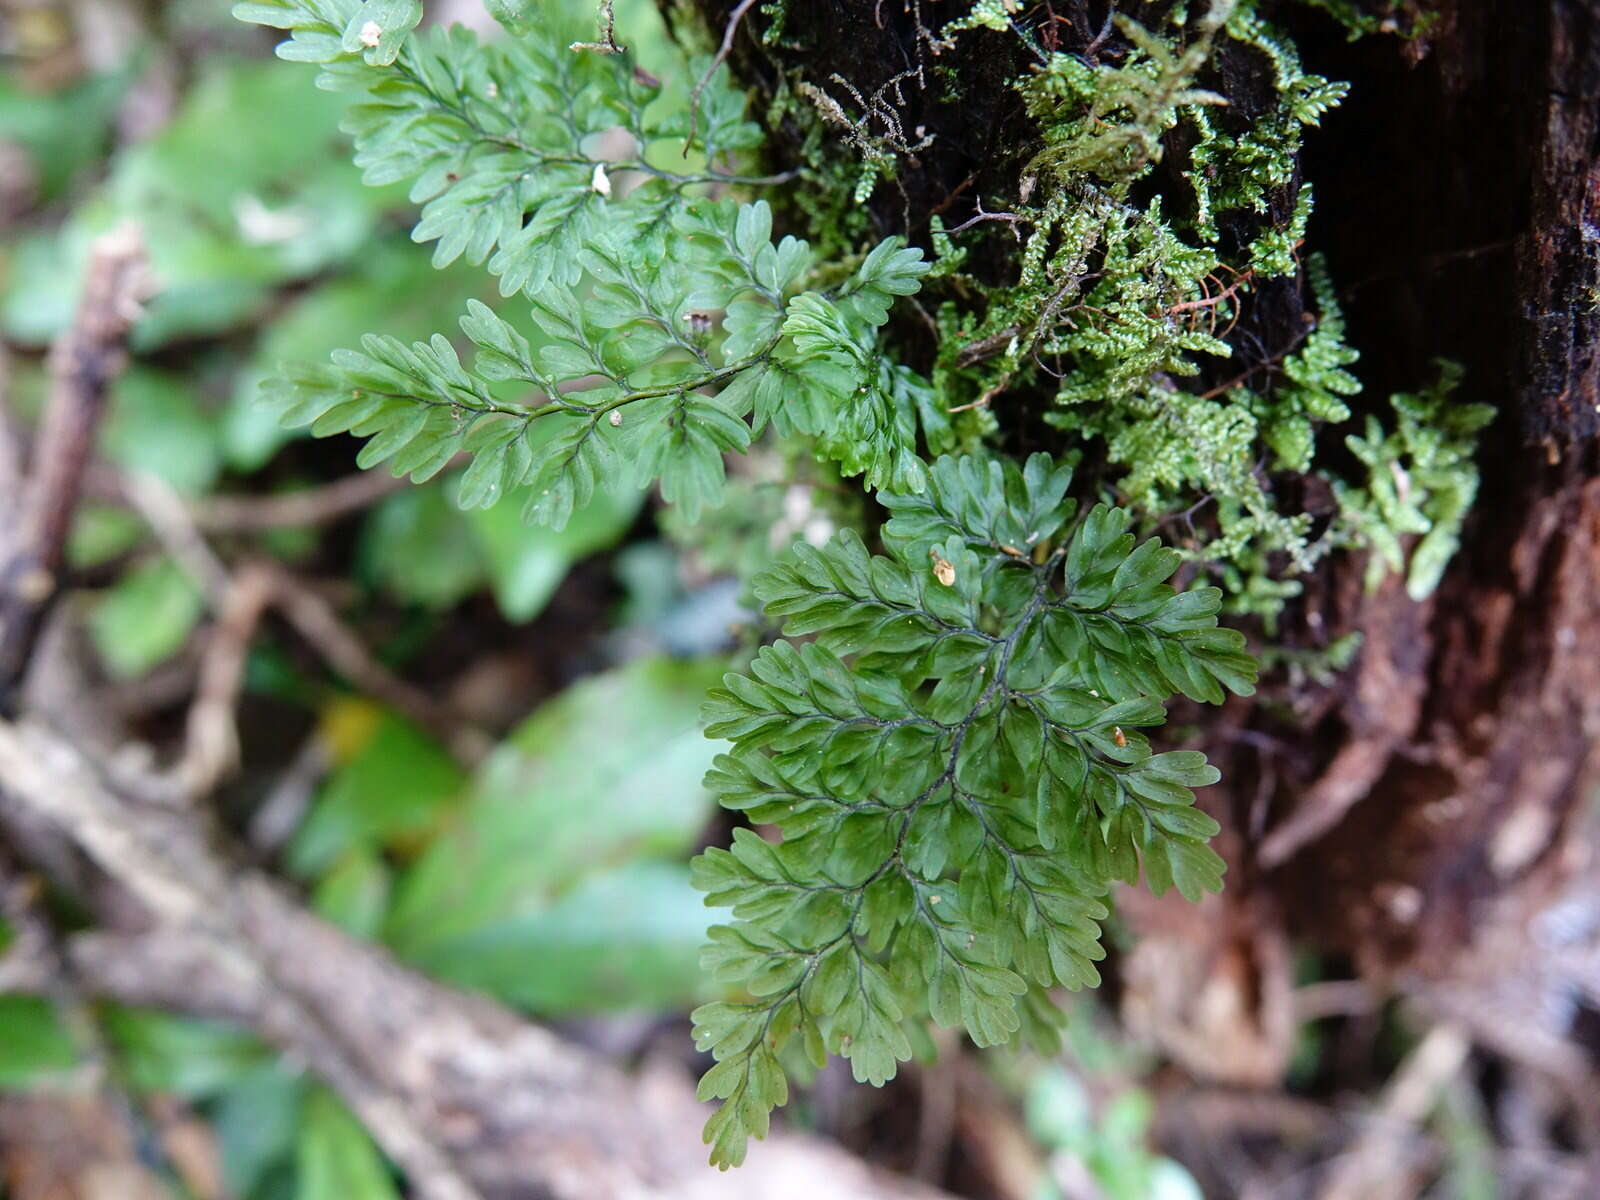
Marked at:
<point>1386,1142</point>
<point>728,33</point>
<point>168,517</point>
<point>1345,781</point>
<point>312,506</point>
<point>10,446</point>
<point>240,599</point>
<point>1009,218</point>
<point>211,736</point>
<point>993,391</point>
<point>317,621</point>
<point>84,362</point>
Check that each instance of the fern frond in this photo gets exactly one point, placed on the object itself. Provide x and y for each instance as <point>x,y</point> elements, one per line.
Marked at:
<point>955,766</point>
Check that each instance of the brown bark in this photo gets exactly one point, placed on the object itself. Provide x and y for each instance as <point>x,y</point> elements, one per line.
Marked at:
<point>34,523</point>
<point>1459,751</point>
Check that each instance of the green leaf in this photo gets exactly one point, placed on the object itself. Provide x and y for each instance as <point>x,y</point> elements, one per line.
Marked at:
<point>256,1119</point>
<point>335,1157</point>
<point>145,618</point>
<point>619,939</point>
<point>526,565</point>
<point>354,894</point>
<point>396,788</point>
<point>187,1058</point>
<point>516,16</point>
<point>156,425</point>
<point>892,269</point>
<point>389,287</point>
<point>421,548</point>
<point>247,187</point>
<point>608,772</point>
<point>36,1044</point>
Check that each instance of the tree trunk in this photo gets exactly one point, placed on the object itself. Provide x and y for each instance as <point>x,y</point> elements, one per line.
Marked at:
<point>1430,795</point>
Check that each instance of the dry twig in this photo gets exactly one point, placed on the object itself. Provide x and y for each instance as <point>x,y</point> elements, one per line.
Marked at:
<point>83,362</point>
<point>309,507</point>
<point>1371,1167</point>
<point>728,32</point>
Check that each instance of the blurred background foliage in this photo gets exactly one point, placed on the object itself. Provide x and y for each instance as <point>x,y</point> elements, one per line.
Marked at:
<point>551,873</point>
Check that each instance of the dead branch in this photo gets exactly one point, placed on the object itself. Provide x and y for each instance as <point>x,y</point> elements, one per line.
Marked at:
<point>1388,703</point>
<point>211,737</point>
<point>467,1098</point>
<point>240,600</point>
<point>1348,778</point>
<point>168,517</point>
<point>1375,1165</point>
<point>729,30</point>
<point>312,506</point>
<point>10,446</point>
<point>211,742</point>
<point>84,362</point>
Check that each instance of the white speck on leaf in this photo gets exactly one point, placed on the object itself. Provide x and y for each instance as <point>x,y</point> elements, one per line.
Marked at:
<point>371,34</point>
<point>601,181</point>
<point>616,417</point>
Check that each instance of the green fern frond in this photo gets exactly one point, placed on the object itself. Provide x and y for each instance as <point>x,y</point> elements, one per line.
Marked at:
<point>955,766</point>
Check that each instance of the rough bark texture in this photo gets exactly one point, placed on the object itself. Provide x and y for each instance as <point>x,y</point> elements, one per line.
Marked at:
<point>1462,746</point>
<point>1430,796</point>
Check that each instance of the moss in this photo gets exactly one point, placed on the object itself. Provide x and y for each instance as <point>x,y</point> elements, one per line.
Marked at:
<point>1123,281</point>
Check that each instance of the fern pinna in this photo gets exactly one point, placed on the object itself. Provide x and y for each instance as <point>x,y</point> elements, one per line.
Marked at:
<point>949,739</point>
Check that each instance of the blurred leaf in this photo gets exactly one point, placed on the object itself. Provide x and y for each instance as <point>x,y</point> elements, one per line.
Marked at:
<point>1057,1109</point>
<point>354,895</point>
<point>609,772</point>
<point>100,532</point>
<point>394,786</point>
<point>156,425</point>
<point>255,1121</point>
<point>183,1057</point>
<point>64,131</point>
<point>527,563</point>
<point>41,285</point>
<point>420,548</point>
<point>145,618</point>
<point>627,938</point>
<point>648,575</point>
<point>1110,1144</point>
<point>337,1159</point>
<point>246,188</point>
<point>33,1042</point>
